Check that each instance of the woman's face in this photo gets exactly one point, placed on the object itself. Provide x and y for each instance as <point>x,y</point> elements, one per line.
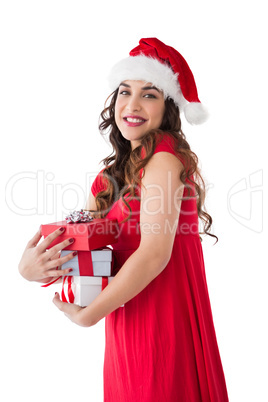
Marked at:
<point>139,108</point>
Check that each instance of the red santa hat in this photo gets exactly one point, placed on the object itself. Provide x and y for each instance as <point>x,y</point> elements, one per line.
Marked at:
<point>163,66</point>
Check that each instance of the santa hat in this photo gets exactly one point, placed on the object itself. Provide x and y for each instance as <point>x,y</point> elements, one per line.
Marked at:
<point>153,61</point>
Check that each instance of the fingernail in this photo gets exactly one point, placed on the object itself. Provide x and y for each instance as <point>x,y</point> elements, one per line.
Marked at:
<point>62,229</point>
<point>71,240</point>
<point>70,270</point>
<point>74,253</point>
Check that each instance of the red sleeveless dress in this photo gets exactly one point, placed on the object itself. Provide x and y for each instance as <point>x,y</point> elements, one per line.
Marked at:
<point>161,346</point>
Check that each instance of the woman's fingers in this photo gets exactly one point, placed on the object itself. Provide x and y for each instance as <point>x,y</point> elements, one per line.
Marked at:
<point>58,247</point>
<point>62,260</point>
<point>72,311</point>
<point>34,241</point>
<point>55,273</point>
<point>38,263</point>
<point>57,301</point>
<point>49,239</point>
<point>55,256</point>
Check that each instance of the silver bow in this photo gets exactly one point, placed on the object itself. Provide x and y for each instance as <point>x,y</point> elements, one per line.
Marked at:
<point>79,216</point>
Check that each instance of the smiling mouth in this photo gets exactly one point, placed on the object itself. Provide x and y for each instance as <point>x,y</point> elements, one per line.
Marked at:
<point>134,120</point>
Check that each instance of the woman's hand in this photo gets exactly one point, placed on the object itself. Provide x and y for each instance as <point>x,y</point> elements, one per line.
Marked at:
<point>39,264</point>
<point>72,311</point>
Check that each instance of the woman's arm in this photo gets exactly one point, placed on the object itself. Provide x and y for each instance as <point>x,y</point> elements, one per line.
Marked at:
<point>159,213</point>
<point>91,204</point>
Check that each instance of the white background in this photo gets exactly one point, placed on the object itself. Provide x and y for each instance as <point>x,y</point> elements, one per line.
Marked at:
<point>55,57</point>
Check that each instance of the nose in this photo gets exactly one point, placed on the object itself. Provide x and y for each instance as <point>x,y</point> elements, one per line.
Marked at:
<point>133,104</point>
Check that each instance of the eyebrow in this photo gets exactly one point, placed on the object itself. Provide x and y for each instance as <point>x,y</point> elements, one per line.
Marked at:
<point>143,88</point>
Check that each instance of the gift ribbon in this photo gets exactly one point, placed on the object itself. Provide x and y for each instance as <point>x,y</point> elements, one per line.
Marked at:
<point>104,282</point>
<point>70,293</point>
<point>85,265</point>
<point>79,216</point>
<point>68,281</point>
<point>50,283</point>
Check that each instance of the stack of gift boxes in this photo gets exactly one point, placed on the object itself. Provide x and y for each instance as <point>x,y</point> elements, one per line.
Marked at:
<point>92,266</point>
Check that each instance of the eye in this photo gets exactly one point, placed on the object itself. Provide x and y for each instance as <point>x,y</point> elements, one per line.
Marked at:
<point>150,96</point>
<point>124,93</point>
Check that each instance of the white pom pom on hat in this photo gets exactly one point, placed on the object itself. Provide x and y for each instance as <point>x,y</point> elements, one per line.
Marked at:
<point>195,113</point>
<point>163,66</point>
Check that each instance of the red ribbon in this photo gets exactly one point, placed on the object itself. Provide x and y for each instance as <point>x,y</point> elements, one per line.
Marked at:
<point>104,282</point>
<point>85,266</point>
<point>70,293</point>
<point>68,280</point>
<point>85,263</point>
<point>51,283</point>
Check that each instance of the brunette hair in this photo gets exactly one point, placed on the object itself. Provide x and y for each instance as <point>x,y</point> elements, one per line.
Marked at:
<point>123,165</point>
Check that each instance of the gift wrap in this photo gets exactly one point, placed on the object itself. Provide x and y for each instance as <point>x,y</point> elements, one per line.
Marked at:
<point>89,263</point>
<point>82,290</point>
<point>92,267</point>
<point>87,236</point>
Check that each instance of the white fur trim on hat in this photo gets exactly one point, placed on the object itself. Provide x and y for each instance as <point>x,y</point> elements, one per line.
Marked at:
<point>160,75</point>
<point>150,70</point>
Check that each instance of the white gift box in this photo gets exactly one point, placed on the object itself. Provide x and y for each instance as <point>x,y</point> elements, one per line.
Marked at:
<point>100,259</point>
<point>84,289</point>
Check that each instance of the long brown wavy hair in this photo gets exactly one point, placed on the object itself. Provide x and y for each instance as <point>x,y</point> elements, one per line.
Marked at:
<point>123,165</point>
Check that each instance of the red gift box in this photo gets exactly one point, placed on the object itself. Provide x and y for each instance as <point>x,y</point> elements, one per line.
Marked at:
<point>88,236</point>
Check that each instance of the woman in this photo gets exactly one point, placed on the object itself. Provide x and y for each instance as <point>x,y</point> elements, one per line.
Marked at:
<point>161,346</point>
